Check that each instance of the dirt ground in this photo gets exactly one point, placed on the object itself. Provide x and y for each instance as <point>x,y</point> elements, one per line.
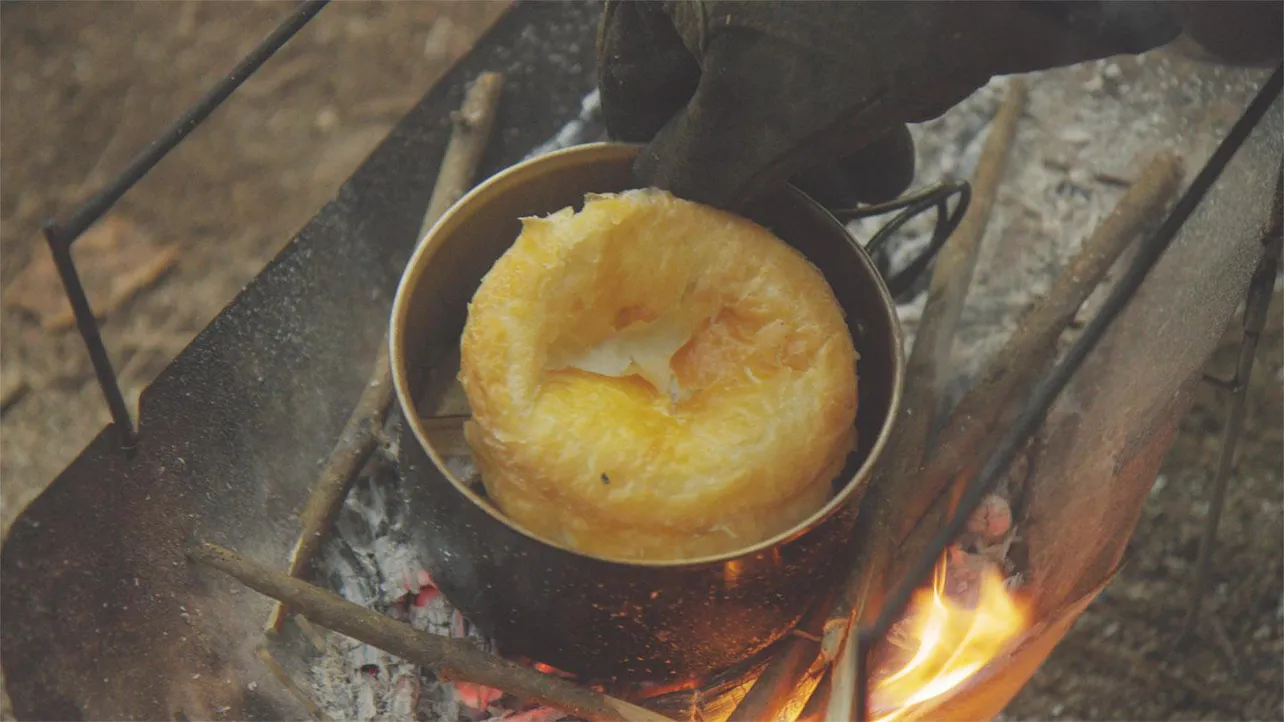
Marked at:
<point>83,85</point>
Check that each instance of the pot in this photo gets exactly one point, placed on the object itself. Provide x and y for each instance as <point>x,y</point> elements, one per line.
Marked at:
<point>609,622</point>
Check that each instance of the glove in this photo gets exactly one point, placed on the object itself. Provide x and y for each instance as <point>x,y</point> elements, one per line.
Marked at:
<point>735,96</point>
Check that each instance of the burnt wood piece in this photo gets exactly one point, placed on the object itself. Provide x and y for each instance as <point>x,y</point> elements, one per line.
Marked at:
<point>101,618</point>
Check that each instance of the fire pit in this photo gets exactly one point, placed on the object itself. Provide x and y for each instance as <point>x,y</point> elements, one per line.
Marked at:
<point>105,617</point>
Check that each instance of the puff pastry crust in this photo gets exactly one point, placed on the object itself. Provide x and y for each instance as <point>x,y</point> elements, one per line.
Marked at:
<point>654,379</point>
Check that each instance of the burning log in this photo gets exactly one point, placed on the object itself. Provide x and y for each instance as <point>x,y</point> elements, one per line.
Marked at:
<point>468,140</point>
<point>452,658</point>
<point>970,434</point>
<point>1031,347</point>
<point>866,582</point>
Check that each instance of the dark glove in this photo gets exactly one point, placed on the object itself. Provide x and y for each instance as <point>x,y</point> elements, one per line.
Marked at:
<point>735,96</point>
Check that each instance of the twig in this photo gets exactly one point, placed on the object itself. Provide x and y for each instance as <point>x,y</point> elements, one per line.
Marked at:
<point>1032,346</point>
<point>969,434</point>
<point>1045,392</point>
<point>273,666</point>
<point>1260,290</point>
<point>925,374</point>
<point>454,659</point>
<point>1224,641</point>
<point>355,445</point>
<point>950,280</point>
<point>774,688</point>
<point>468,140</point>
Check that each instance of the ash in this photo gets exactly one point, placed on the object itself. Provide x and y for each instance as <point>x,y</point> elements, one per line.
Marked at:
<point>585,128</point>
<point>370,560</point>
<point>1085,133</point>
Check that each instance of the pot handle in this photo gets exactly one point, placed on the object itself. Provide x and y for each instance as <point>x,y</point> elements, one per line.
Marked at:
<point>910,206</point>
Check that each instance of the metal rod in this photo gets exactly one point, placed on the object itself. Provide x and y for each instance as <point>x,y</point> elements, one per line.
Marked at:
<point>1049,388</point>
<point>66,232</point>
<point>61,236</point>
<point>98,356</point>
<point>1260,290</point>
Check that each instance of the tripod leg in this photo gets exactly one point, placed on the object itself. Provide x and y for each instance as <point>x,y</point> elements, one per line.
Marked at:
<point>1260,291</point>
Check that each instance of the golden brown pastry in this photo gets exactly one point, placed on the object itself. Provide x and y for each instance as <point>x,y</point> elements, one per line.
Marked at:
<point>653,379</point>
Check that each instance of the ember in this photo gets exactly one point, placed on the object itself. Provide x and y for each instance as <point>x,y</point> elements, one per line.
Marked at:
<point>372,561</point>
<point>948,640</point>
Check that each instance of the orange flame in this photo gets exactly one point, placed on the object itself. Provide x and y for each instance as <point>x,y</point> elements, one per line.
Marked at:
<point>949,643</point>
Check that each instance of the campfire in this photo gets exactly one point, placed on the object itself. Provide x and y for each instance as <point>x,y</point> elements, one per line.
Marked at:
<point>948,639</point>
<point>969,616</point>
<point>944,609</point>
<point>965,642</point>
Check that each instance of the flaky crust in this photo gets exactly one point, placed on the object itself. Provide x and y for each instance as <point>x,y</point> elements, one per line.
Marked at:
<point>654,379</point>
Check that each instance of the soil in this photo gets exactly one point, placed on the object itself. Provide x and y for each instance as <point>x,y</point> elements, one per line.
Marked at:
<point>85,85</point>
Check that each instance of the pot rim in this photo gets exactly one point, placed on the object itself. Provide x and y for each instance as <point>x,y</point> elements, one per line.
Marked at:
<point>428,245</point>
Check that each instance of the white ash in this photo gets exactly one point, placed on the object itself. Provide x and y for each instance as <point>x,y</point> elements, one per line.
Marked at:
<point>585,128</point>
<point>1085,132</point>
<point>370,560</point>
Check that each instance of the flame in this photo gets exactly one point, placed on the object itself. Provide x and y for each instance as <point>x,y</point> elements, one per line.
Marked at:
<point>949,642</point>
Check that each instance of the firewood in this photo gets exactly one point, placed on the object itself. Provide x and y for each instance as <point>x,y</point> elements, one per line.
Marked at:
<point>1031,347</point>
<point>950,281</point>
<point>468,140</point>
<point>454,659</point>
<point>925,374</point>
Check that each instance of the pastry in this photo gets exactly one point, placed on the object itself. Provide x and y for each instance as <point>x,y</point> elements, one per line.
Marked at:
<point>651,379</point>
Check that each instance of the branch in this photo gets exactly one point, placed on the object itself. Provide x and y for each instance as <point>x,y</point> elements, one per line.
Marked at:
<point>468,141</point>
<point>950,280</point>
<point>454,659</point>
<point>968,436</point>
<point>925,376</point>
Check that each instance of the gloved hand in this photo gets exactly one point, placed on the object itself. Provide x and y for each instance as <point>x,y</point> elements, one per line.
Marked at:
<point>734,96</point>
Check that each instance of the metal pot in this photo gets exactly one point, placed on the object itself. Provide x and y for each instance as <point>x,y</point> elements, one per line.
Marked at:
<point>611,622</point>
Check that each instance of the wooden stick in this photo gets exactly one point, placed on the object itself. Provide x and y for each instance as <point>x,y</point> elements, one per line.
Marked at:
<point>1032,346</point>
<point>454,659</point>
<point>774,688</point>
<point>355,445</point>
<point>468,140</point>
<point>925,375</point>
<point>950,279</point>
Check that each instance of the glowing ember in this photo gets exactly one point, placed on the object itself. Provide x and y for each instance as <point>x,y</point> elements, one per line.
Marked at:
<point>947,643</point>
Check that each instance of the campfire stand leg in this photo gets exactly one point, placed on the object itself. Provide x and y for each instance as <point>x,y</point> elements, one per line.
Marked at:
<point>1049,388</point>
<point>1260,291</point>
